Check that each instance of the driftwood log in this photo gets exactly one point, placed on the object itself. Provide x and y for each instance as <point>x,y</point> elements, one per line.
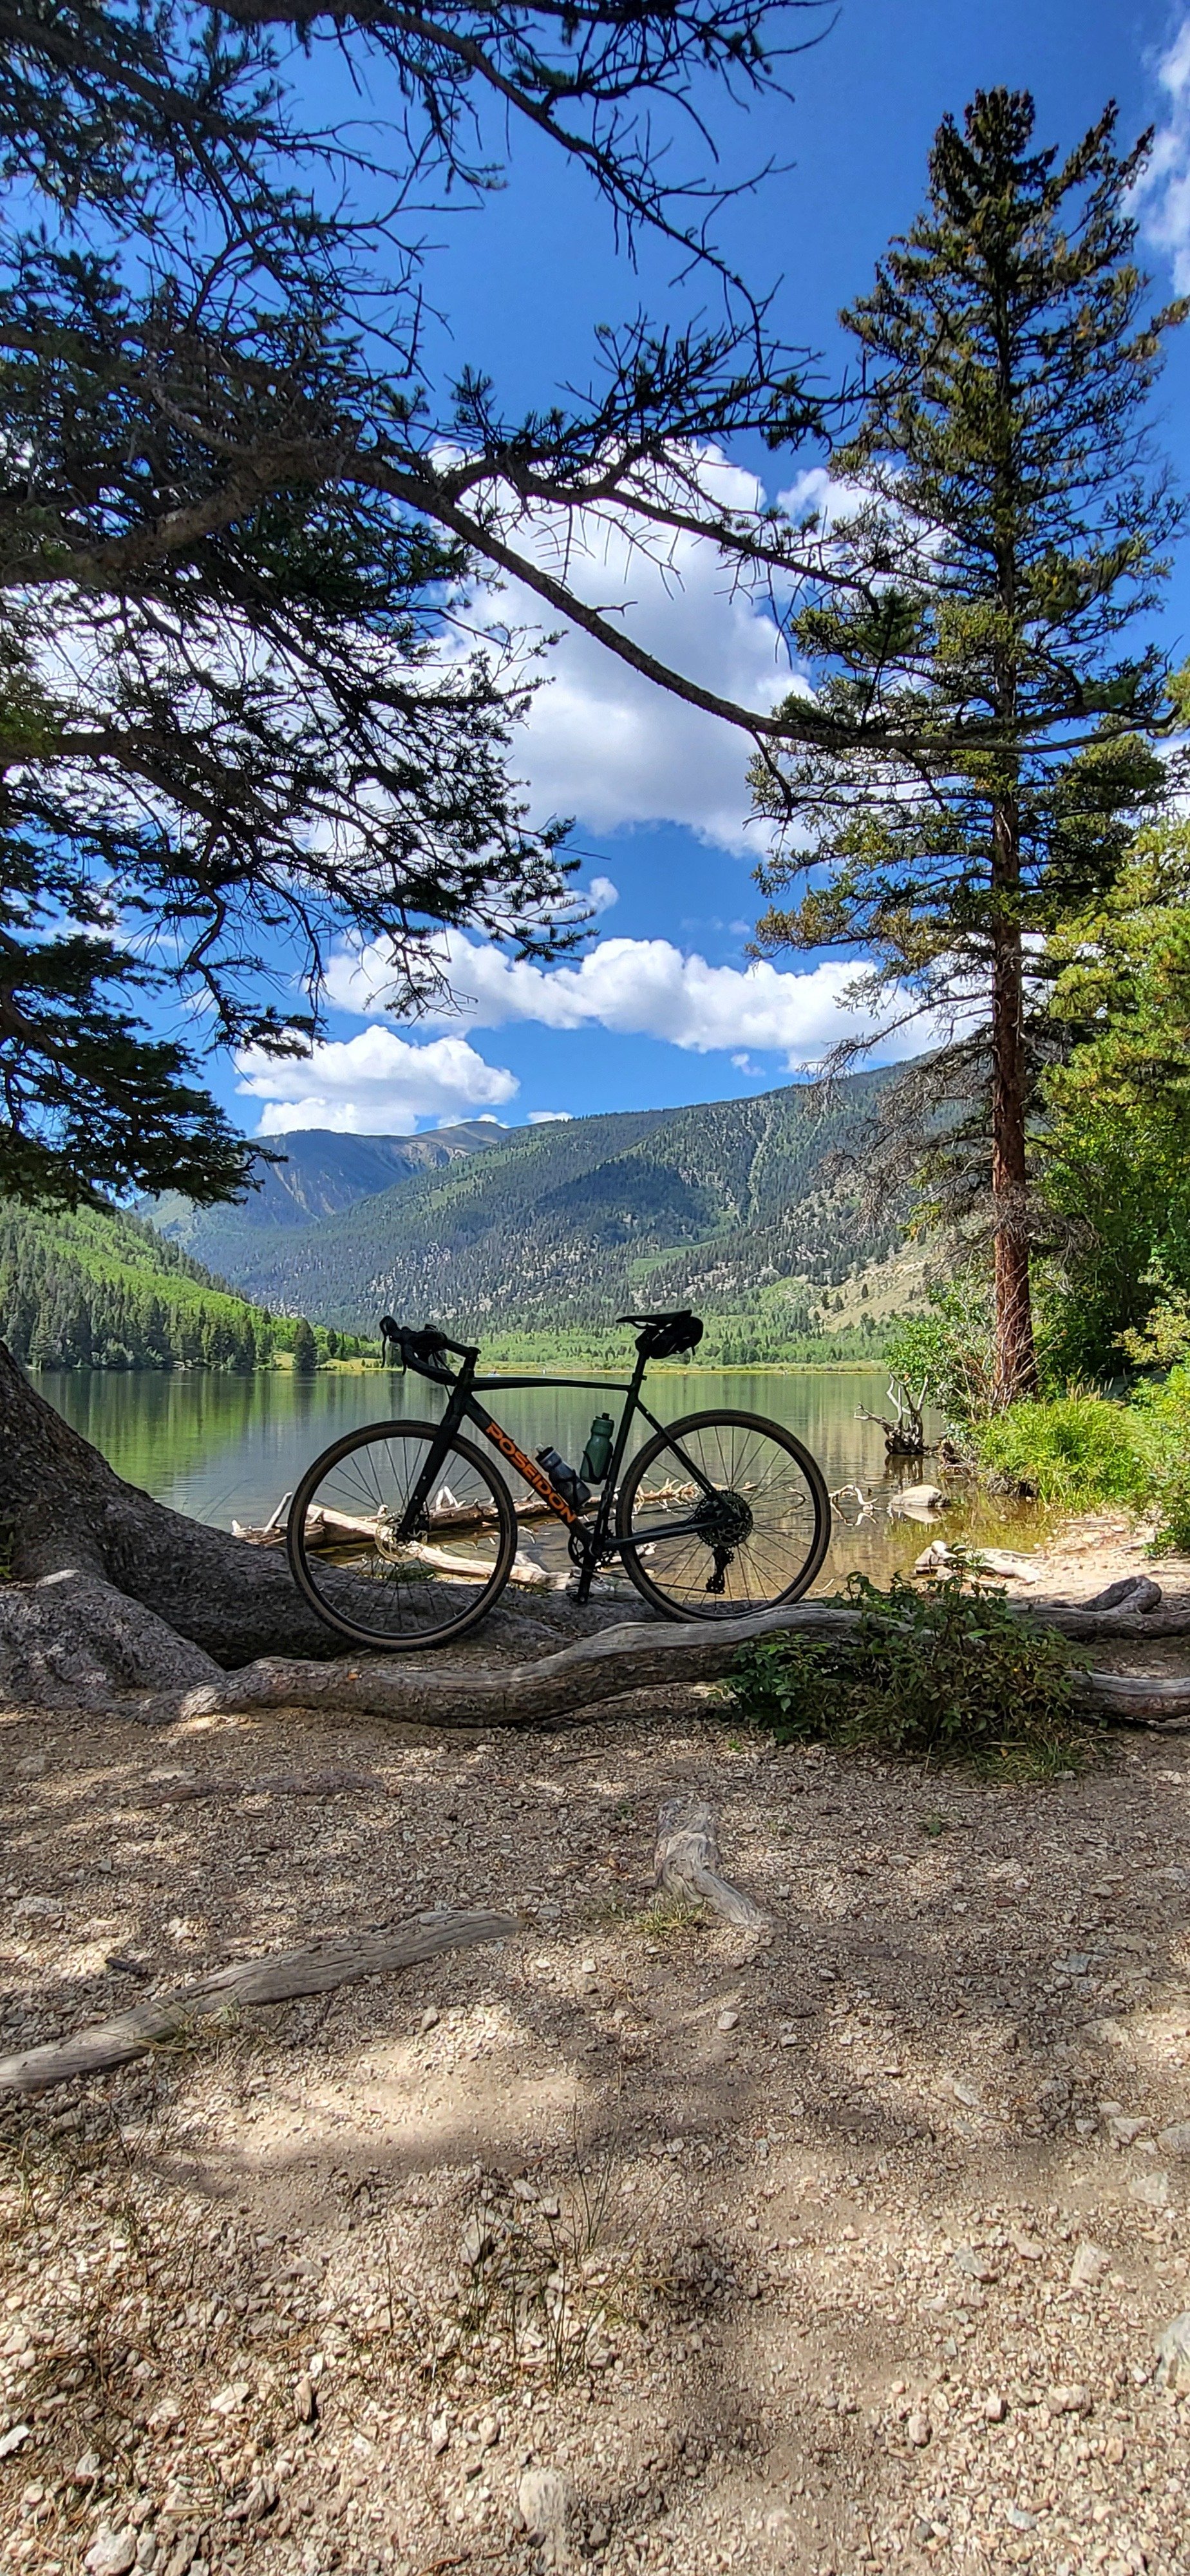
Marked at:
<point>687,1864</point>
<point>273,1979</point>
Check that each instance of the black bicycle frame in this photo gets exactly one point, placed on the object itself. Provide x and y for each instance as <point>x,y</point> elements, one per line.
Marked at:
<point>590,1544</point>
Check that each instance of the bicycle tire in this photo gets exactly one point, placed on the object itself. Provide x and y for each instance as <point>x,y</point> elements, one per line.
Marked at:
<point>797,1494</point>
<point>412,1604</point>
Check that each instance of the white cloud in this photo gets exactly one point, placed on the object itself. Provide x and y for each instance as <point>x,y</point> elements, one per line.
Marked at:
<point>603,742</point>
<point>602,894</point>
<point>375,1084</point>
<point>1163,196</point>
<point>550,1117</point>
<point>636,988</point>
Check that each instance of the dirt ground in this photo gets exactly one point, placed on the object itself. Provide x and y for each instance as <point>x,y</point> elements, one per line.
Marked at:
<point>834,2248</point>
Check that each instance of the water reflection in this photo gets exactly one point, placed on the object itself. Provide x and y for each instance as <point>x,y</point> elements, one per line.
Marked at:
<point>227,1448</point>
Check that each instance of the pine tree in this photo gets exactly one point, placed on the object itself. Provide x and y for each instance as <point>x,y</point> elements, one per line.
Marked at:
<point>305,1349</point>
<point>1005,528</point>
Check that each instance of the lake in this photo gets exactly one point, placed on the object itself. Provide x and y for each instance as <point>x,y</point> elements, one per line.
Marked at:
<point>228,1448</point>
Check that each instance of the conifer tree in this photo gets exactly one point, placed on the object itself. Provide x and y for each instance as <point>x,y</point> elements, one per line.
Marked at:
<point>1004,528</point>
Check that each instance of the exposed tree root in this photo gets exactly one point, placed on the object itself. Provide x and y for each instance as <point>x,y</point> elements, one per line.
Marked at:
<point>269,1980</point>
<point>644,1656</point>
<point>687,1864</point>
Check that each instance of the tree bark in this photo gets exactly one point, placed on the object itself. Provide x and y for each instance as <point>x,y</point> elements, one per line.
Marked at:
<point>1015,1372</point>
<point>143,1578</point>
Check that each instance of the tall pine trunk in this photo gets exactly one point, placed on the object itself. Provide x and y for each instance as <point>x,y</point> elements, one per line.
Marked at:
<point>1015,1367</point>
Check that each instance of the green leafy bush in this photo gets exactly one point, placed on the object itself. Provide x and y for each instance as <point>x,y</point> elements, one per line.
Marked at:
<point>1077,1450</point>
<point>1163,1417</point>
<point>949,1349</point>
<point>942,1673</point>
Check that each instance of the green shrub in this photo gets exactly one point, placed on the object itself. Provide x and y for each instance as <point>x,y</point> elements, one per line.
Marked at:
<point>1072,1449</point>
<point>940,1673</point>
<point>1163,1414</point>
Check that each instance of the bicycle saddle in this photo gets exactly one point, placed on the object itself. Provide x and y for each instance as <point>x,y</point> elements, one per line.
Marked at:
<point>663,1336</point>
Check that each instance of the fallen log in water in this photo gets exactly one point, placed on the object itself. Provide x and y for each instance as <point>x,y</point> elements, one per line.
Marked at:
<point>273,1979</point>
<point>646,1655</point>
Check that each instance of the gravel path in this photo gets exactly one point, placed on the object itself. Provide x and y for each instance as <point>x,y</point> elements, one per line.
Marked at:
<point>832,2250</point>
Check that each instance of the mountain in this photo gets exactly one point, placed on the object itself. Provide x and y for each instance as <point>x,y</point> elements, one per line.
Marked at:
<point>742,1208</point>
<point>321,1174</point>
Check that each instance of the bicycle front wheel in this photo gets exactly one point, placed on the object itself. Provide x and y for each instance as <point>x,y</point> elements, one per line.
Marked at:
<point>721,1514</point>
<point>431,1582</point>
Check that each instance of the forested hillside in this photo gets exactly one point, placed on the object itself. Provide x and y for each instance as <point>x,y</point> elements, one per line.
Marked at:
<point>745,1209</point>
<point>320,1173</point>
<point>99,1290</point>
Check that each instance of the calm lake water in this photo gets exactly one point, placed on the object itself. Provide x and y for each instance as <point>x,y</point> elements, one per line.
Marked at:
<point>226,1448</point>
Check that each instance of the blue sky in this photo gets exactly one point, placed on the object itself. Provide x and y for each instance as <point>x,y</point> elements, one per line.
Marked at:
<point>662,1009</point>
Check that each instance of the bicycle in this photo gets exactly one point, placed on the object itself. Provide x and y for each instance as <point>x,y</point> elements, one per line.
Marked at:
<point>403,1534</point>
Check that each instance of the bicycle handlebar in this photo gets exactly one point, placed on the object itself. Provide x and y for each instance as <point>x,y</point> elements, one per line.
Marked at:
<point>420,1346</point>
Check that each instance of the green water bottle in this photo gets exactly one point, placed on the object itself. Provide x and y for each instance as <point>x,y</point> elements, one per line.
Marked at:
<point>597,1456</point>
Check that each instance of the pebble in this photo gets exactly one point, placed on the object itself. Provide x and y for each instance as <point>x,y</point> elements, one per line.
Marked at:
<point>1073,2399</point>
<point>1173,2352</point>
<point>111,2553</point>
<point>430,2018</point>
<point>1124,2128</point>
<point>1151,2188</point>
<point>439,2435</point>
<point>994,2407</point>
<point>303,2399</point>
<point>1089,2265</point>
<point>476,2241</point>
<point>544,2500</point>
<point>728,2021</point>
<point>918,2429</point>
<point>13,2440</point>
<point>230,2399</point>
<point>1175,2140</point>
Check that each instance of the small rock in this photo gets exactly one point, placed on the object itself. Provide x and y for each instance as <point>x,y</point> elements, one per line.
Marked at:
<point>439,2435</point>
<point>476,2241</point>
<point>1020,2520</point>
<point>1173,2353</point>
<point>728,2021</point>
<point>111,2553</point>
<point>1028,2247</point>
<point>588,1968</point>
<point>1089,2265</point>
<point>231,2398</point>
<point>544,2500</point>
<point>1070,2400</point>
<point>977,2267</point>
<point>1125,2129</point>
<point>489,2431</point>
<point>917,2430</point>
<point>1176,2140</point>
<point>994,2407</point>
<point>86,2468</point>
<point>303,2399</point>
<point>1151,2188</point>
<point>15,2438</point>
<point>32,1767</point>
<point>430,2018</point>
<point>39,1909</point>
<point>146,2552</point>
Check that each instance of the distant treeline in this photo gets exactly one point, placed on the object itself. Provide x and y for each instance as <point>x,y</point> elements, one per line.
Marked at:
<point>98,1289</point>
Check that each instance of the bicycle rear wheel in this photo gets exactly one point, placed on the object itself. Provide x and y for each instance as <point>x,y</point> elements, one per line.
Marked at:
<point>720,1514</point>
<point>400,1593</point>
